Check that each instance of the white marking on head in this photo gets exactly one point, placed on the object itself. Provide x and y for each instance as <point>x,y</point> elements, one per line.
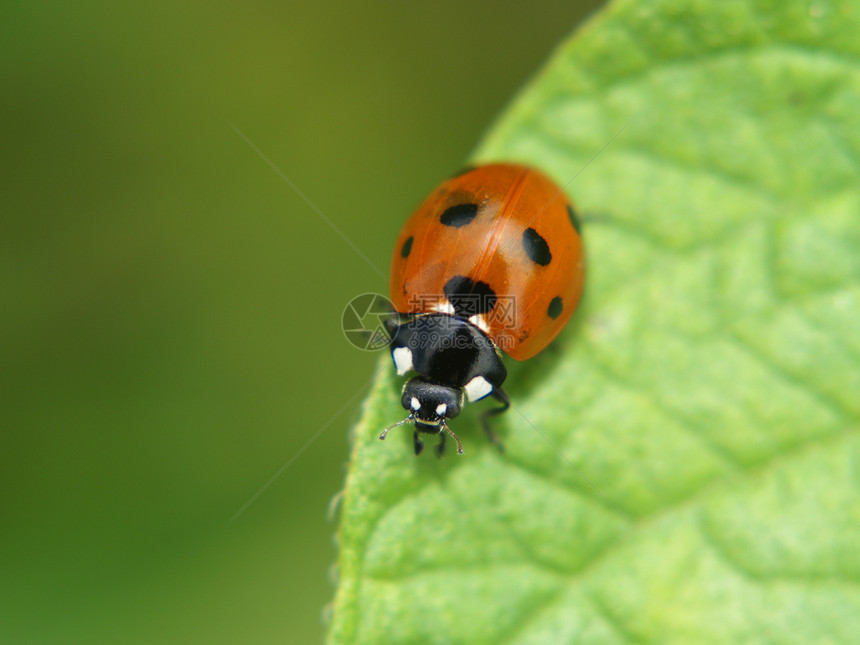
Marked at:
<point>415,403</point>
<point>477,388</point>
<point>402,360</point>
<point>480,322</point>
<point>444,307</point>
<point>441,409</point>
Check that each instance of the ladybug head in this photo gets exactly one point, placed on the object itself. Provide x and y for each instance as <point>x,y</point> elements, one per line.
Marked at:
<point>430,405</point>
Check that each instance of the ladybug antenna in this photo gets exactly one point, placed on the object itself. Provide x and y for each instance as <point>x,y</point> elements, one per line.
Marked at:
<point>445,428</point>
<point>408,419</point>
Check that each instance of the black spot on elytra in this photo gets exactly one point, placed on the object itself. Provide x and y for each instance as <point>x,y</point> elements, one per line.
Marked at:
<point>536,247</point>
<point>459,215</point>
<point>555,307</point>
<point>469,297</point>
<point>406,249</point>
<point>574,218</point>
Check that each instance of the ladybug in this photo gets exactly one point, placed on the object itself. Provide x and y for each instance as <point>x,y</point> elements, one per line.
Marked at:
<point>492,261</point>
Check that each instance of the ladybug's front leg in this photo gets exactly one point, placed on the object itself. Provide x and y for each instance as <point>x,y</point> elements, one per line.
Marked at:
<point>419,445</point>
<point>502,397</point>
<point>440,447</point>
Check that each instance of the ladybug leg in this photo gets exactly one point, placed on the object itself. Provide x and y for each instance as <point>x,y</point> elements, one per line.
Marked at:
<point>393,322</point>
<point>502,397</point>
<point>419,445</point>
<point>440,447</point>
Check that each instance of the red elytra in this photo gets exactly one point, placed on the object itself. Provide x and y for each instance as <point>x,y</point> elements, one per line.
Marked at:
<point>504,232</point>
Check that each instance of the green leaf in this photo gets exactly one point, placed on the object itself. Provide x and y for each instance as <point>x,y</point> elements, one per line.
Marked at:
<point>683,465</point>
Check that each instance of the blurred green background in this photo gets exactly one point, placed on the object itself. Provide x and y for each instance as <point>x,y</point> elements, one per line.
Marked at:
<point>171,308</point>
